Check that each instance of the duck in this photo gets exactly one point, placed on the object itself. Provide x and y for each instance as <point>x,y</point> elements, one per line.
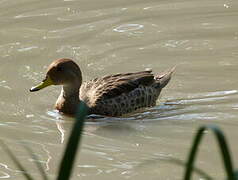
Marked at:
<point>111,95</point>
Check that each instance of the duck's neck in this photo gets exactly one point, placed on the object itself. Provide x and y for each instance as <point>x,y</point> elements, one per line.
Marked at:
<point>68,99</point>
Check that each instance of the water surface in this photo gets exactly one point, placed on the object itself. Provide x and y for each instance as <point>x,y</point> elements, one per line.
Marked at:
<point>106,37</point>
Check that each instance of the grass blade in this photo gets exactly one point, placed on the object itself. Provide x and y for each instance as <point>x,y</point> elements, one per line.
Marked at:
<point>68,159</point>
<point>195,169</point>
<point>15,160</point>
<point>225,153</point>
<point>176,161</point>
<point>38,165</point>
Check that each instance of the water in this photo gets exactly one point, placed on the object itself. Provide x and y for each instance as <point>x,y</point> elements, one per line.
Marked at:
<point>106,37</point>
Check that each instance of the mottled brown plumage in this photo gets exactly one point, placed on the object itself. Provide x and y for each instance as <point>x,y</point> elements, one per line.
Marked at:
<point>112,95</point>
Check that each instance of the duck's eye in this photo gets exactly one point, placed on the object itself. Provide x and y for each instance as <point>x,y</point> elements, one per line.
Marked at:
<point>59,69</point>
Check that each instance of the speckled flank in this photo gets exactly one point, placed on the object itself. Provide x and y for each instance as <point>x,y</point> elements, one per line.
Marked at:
<point>143,96</point>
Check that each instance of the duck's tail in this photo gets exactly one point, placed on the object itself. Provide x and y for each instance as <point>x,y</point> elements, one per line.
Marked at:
<point>164,78</point>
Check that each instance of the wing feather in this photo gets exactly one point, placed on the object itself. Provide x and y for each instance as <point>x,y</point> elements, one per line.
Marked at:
<point>114,85</point>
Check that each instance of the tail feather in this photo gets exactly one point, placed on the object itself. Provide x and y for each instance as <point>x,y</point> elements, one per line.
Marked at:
<point>164,78</point>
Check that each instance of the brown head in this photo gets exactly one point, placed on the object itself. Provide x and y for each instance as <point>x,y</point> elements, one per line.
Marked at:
<point>61,72</point>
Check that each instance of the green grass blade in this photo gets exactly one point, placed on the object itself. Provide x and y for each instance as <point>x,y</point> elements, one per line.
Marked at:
<point>225,153</point>
<point>176,161</point>
<point>236,174</point>
<point>38,165</point>
<point>15,160</point>
<point>195,169</point>
<point>68,159</point>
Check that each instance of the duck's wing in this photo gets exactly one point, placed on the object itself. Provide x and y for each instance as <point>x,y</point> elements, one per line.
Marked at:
<point>114,85</point>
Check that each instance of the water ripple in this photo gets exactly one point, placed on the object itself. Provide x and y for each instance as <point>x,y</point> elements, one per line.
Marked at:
<point>128,27</point>
<point>4,175</point>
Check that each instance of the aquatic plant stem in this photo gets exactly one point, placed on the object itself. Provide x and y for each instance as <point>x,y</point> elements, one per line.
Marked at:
<point>225,153</point>
<point>69,156</point>
<point>15,160</point>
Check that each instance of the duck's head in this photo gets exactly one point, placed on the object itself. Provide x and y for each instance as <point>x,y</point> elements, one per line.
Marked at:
<point>61,72</point>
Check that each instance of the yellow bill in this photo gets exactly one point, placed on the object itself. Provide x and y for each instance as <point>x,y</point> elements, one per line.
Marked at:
<point>43,84</point>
